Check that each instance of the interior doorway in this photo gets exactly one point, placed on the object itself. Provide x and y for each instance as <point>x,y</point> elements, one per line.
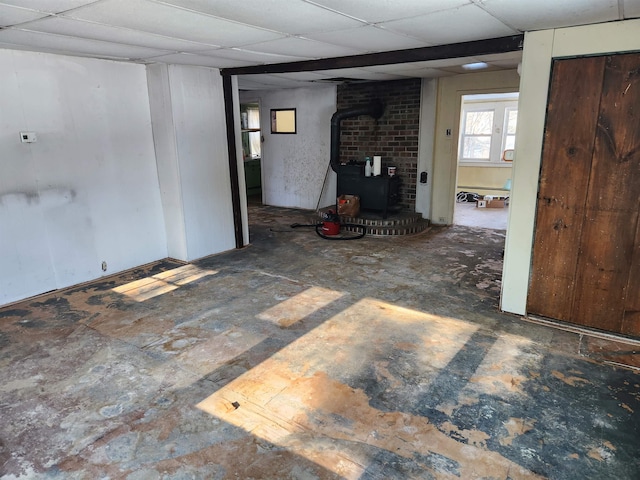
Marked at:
<point>486,139</point>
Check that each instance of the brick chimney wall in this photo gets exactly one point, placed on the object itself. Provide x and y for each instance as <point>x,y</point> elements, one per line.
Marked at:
<point>394,136</point>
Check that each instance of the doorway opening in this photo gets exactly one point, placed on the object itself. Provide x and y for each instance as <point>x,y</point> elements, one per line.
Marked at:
<point>486,140</point>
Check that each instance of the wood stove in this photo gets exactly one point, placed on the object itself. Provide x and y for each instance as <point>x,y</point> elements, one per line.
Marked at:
<point>376,193</point>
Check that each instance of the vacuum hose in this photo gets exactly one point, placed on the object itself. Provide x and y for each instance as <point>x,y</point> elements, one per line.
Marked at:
<point>320,225</point>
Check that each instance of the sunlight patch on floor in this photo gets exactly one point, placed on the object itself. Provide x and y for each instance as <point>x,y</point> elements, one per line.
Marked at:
<point>301,399</point>
<point>161,283</point>
<point>294,309</point>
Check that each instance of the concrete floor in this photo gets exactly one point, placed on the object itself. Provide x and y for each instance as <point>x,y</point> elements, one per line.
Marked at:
<point>302,358</point>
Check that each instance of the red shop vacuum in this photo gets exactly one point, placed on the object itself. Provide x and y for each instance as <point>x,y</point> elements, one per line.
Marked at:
<point>330,226</point>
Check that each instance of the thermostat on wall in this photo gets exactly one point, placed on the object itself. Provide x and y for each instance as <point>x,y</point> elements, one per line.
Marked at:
<point>28,137</point>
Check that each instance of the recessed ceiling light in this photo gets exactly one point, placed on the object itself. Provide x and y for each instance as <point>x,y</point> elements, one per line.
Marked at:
<point>475,66</point>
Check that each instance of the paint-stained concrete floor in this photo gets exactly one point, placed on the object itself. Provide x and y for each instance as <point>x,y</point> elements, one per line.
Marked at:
<point>302,358</point>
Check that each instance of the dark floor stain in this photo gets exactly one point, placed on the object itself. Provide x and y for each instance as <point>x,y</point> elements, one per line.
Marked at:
<point>387,465</point>
<point>29,323</point>
<point>59,310</point>
<point>14,312</point>
<point>97,286</point>
<point>95,300</point>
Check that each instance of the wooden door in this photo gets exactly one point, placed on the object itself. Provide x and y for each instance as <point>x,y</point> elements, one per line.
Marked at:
<point>586,254</point>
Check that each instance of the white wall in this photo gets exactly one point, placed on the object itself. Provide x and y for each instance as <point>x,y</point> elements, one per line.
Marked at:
<point>294,166</point>
<point>87,190</point>
<point>539,50</point>
<point>187,106</point>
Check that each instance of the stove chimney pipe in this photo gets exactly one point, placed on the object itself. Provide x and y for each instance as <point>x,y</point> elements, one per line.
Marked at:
<point>375,109</point>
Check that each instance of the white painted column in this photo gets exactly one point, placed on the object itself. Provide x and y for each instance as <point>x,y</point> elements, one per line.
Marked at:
<point>191,148</point>
<point>532,107</point>
<point>428,98</point>
<point>164,138</point>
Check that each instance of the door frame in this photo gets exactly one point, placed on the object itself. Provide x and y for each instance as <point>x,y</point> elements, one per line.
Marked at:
<point>445,168</point>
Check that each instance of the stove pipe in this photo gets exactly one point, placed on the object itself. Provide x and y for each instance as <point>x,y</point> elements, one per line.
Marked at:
<point>375,109</point>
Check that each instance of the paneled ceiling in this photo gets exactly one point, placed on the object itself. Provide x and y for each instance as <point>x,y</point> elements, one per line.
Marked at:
<point>238,33</point>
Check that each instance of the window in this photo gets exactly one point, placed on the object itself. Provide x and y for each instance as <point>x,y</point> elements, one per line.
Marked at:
<point>476,139</point>
<point>487,128</point>
<point>283,120</point>
<point>254,134</point>
<point>251,136</point>
<point>511,120</point>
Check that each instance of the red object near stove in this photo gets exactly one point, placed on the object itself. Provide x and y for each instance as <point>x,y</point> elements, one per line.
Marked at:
<point>330,223</point>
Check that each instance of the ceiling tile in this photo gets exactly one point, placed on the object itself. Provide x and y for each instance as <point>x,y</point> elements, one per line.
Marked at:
<point>408,70</point>
<point>516,55</point>
<point>107,33</point>
<point>427,73</point>
<point>172,22</point>
<point>543,14</point>
<point>358,74</point>
<point>70,45</point>
<point>50,6</point>
<point>289,16</point>
<point>273,80</point>
<point>303,48</point>
<point>503,60</point>
<point>15,16</point>
<point>504,64</point>
<point>386,10</point>
<point>249,57</point>
<point>458,70</point>
<point>446,62</point>
<point>631,8</point>
<point>368,39</point>
<point>198,60</point>
<point>246,84</point>
<point>452,26</point>
<point>304,76</point>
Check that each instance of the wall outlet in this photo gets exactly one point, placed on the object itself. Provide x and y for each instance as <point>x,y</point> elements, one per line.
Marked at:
<point>104,266</point>
<point>28,137</point>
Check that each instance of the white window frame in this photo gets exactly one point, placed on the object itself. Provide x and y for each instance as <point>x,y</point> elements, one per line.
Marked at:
<point>500,104</point>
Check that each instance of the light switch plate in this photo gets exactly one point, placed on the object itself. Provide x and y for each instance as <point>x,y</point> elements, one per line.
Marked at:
<point>28,137</point>
<point>508,155</point>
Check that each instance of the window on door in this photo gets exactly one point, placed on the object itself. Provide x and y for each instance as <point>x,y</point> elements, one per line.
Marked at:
<point>488,124</point>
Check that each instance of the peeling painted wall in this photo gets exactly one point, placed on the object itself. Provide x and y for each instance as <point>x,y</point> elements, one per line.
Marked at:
<point>87,190</point>
<point>294,166</point>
